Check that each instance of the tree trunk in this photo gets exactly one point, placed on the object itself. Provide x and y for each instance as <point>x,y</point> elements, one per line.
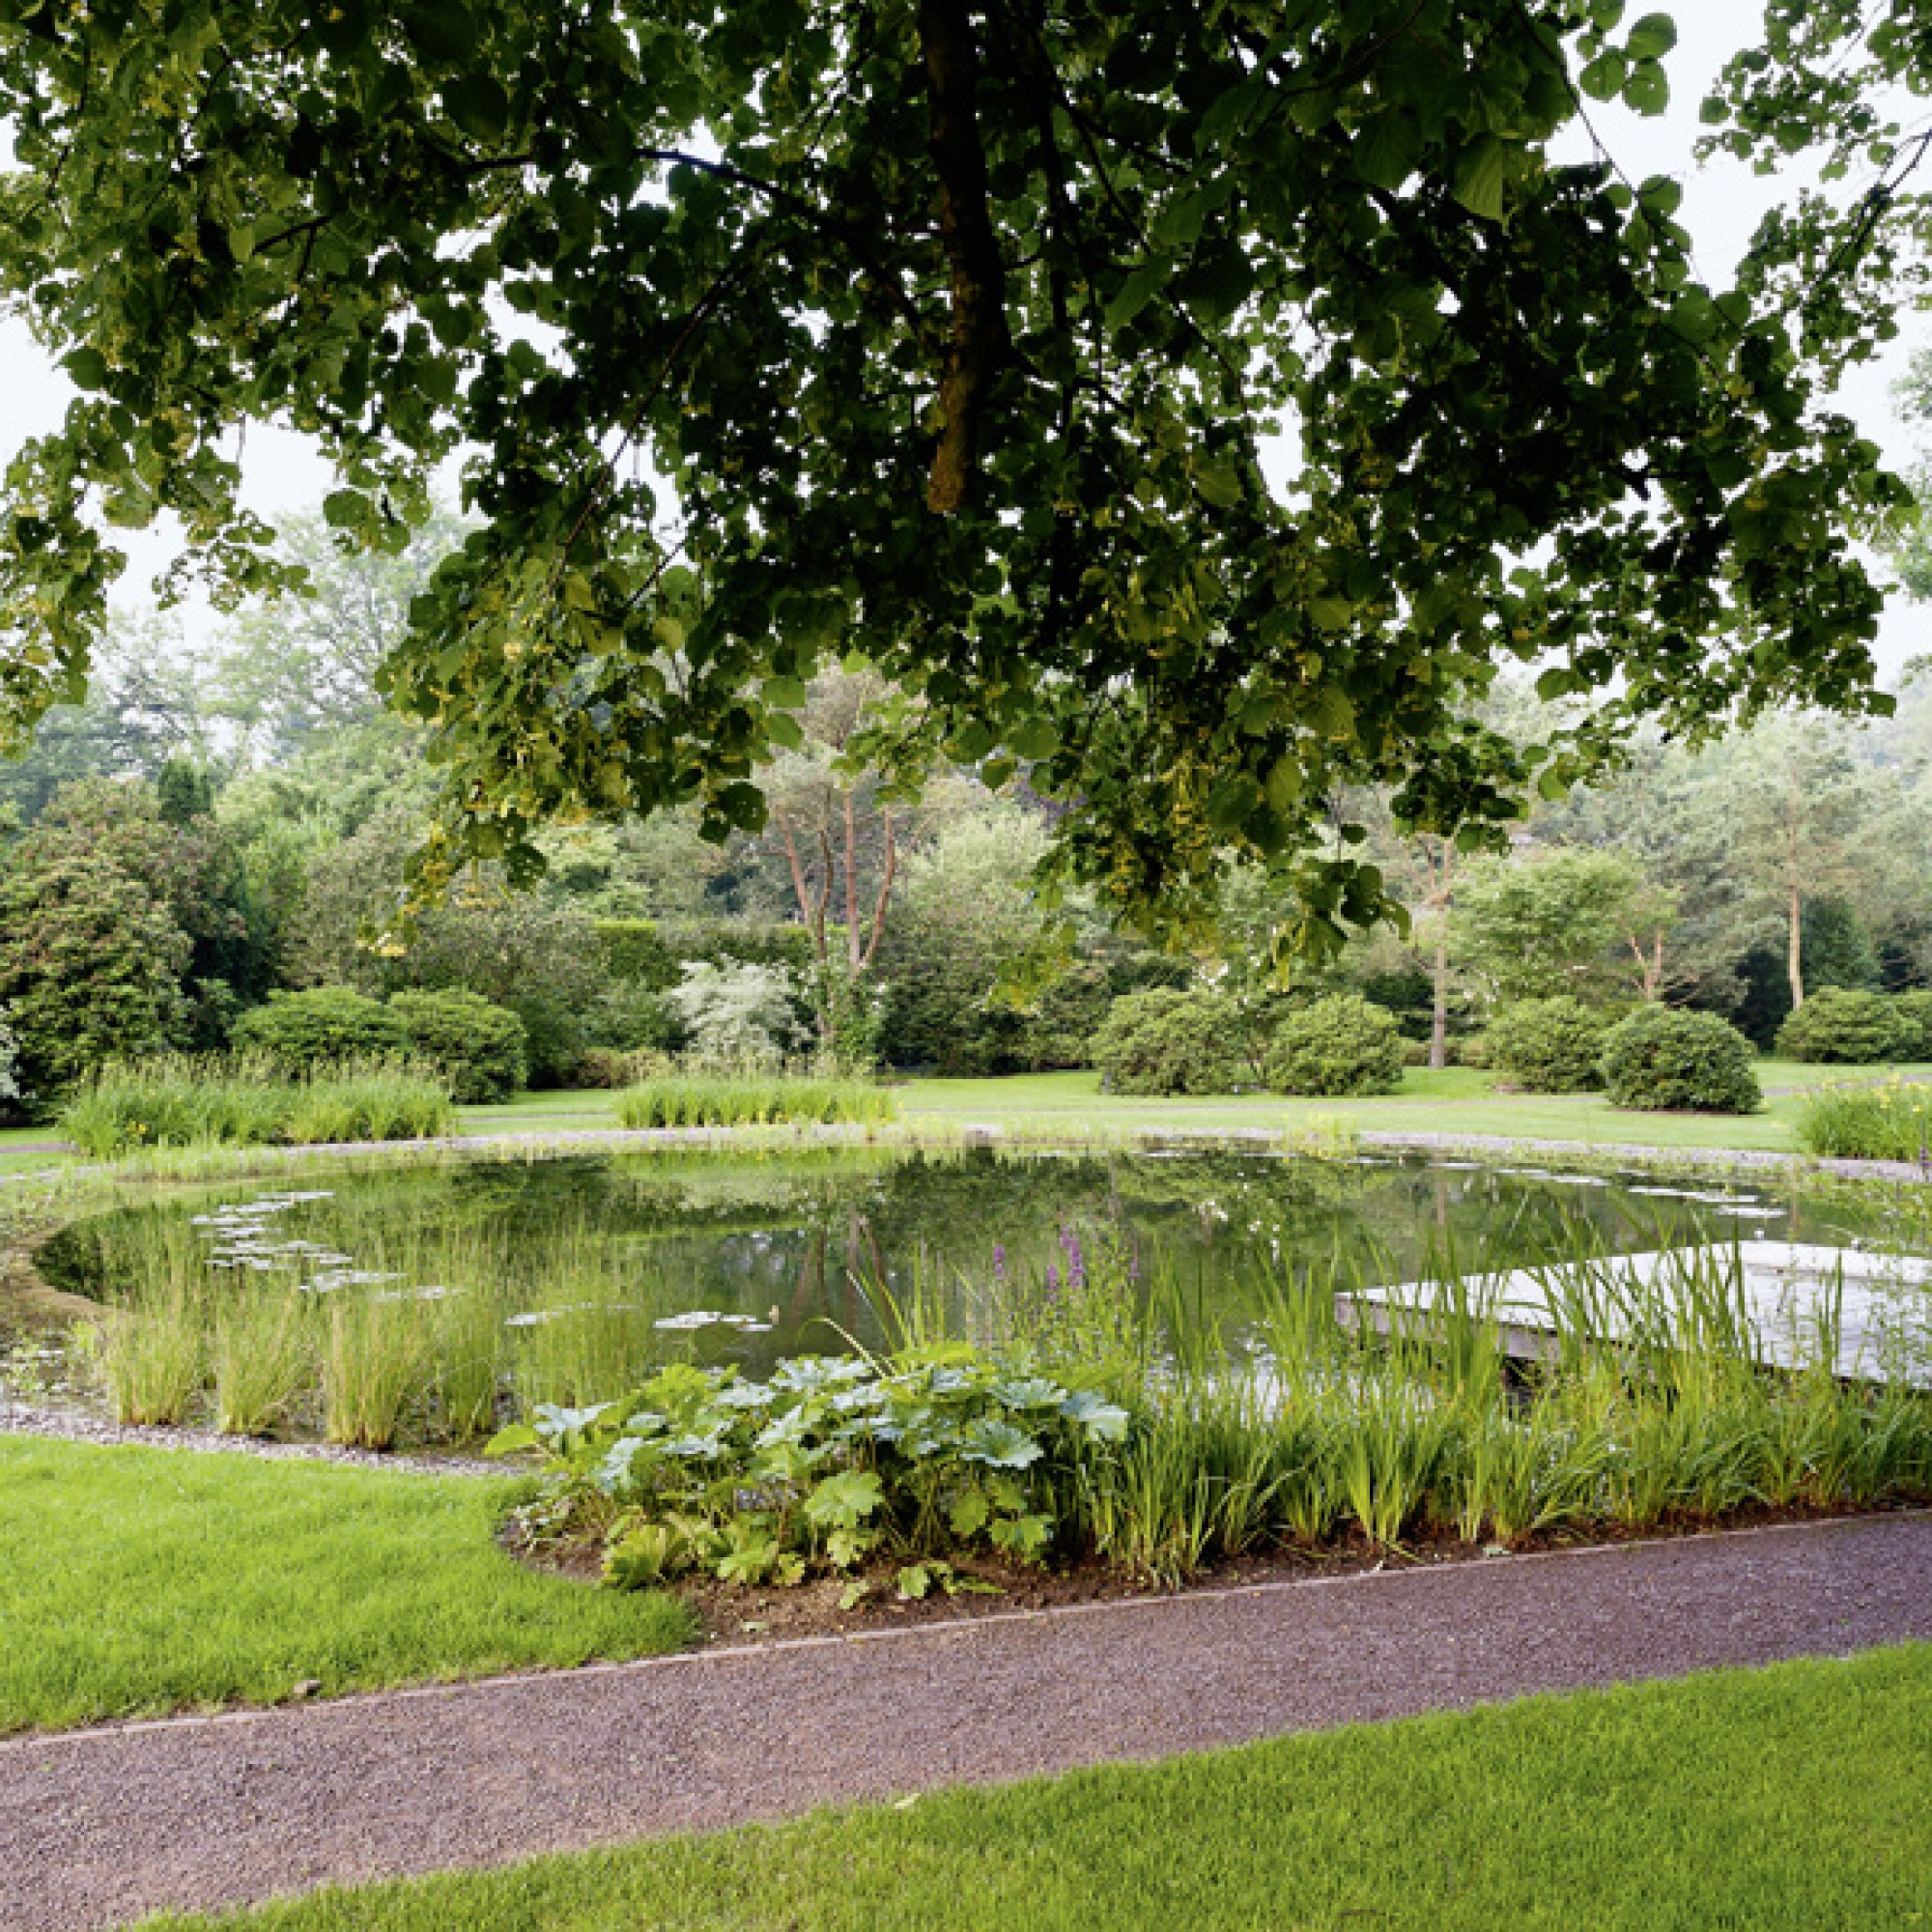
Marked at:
<point>981,344</point>
<point>1795,955</point>
<point>1438,1017</point>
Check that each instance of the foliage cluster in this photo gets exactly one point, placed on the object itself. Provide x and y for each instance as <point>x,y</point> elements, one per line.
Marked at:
<point>1167,1040</point>
<point>478,1048</point>
<point>1663,1059</point>
<point>1889,1121</point>
<point>1550,1046</point>
<point>1339,1046</point>
<point>826,1464</point>
<point>1851,1027</point>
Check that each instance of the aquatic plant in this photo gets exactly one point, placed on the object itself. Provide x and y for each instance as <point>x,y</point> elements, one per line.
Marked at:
<point>185,1103</point>
<point>754,1099</point>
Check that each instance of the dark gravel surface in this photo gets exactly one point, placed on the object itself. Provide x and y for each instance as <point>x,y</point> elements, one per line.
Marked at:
<point>100,1826</point>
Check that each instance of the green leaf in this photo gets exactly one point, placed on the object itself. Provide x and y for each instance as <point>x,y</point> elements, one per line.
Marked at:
<point>441,31</point>
<point>1136,292</point>
<point>1480,173</point>
<point>1651,38</point>
<point>1220,486</point>
<point>1387,151</point>
<point>845,1500</point>
<point>1647,90</point>
<point>87,368</point>
<point>1602,78</point>
<point>514,1440</point>
<point>967,1517</point>
<point>477,103</point>
<point>1557,682</point>
<point>1233,802</point>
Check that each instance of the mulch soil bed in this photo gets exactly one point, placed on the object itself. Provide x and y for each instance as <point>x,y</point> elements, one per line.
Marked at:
<point>736,1614</point>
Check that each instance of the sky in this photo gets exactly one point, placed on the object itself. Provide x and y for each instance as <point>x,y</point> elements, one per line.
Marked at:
<point>1724,203</point>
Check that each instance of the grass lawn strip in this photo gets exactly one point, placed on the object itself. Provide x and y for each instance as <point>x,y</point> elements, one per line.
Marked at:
<point>1793,1797</point>
<point>136,1581</point>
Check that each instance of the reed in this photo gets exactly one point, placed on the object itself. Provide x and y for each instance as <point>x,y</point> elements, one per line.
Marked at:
<point>754,1099</point>
<point>262,1359</point>
<point>190,1103</point>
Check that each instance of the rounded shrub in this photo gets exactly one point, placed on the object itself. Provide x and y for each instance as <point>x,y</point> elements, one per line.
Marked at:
<point>1550,1046</point>
<point>479,1048</point>
<point>1339,1046</point>
<point>1839,1026</point>
<point>322,1027</point>
<point>1915,1009</point>
<point>1168,1042</point>
<point>1663,1059</point>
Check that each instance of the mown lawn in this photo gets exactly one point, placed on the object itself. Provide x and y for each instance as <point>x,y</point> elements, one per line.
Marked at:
<point>1790,1800</point>
<point>134,1581</point>
<point>1457,1100</point>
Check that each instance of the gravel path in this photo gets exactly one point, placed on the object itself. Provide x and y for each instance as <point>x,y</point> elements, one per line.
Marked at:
<point>102,1826</point>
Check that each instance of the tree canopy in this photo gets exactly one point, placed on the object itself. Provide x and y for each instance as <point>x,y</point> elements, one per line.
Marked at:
<point>1193,405</point>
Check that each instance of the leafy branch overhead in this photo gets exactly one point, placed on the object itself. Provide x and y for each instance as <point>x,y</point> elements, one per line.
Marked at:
<point>1168,399</point>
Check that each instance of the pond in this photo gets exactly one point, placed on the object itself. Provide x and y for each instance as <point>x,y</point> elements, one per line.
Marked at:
<point>487,1284</point>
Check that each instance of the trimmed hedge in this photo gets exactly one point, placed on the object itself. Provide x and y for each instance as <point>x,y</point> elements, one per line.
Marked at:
<point>1550,1046</point>
<point>1337,1046</point>
<point>1915,1009</point>
<point>481,1049</point>
<point>1664,1059</point>
<point>1837,1026</point>
<point>324,1026</point>
<point>1168,1042</point>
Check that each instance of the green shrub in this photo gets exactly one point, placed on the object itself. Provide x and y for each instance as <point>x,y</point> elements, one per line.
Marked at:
<point>556,1033</point>
<point>1664,1059</point>
<point>1840,1027</point>
<point>1915,1010</point>
<point>1340,1045</point>
<point>479,1048</point>
<point>1892,1121</point>
<point>323,1027</point>
<point>1169,1041</point>
<point>635,954</point>
<point>1550,1046</point>
<point>751,1100</point>
<point>180,1102</point>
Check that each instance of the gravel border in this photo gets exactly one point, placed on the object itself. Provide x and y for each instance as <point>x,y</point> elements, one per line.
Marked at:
<point>197,1813</point>
<point>61,1425</point>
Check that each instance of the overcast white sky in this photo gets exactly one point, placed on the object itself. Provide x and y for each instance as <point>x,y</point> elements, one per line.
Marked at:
<point>1723,205</point>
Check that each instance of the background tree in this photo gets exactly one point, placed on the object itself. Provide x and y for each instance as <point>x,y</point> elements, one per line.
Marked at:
<point>1549,924</point>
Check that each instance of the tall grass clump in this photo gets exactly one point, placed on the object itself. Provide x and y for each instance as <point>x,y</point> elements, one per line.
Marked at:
<point>754,1099</point>
<point>378,1364</point>
<point>263,1350</point>
<point>1889,1120</point>
<point>154,1343</point>
<point>187,1102</point>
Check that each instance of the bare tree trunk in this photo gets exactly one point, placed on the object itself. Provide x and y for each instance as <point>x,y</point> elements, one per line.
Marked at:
<point>1795,953</point>
<point>1438,1017</point>
<point>810,905</point>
